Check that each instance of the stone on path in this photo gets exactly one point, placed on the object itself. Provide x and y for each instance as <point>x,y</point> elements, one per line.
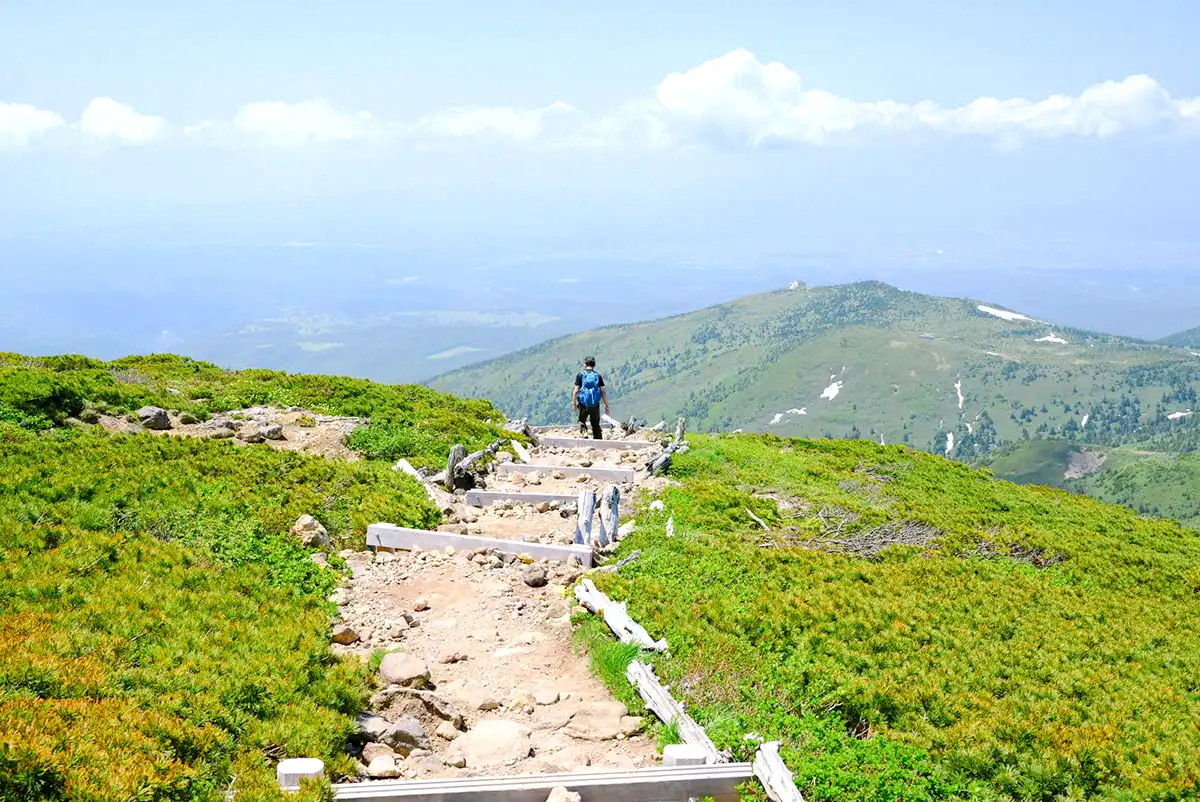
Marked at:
<point>545,696</point>
<point>271,431</point>
<point>404,670</point>
<point>406,735</point>
<point>493,743</point>
<point>561,794</point>
<point>600,721</point>
<point>374,750</point>
<point>534,576</point>
<point>312,535</point>
<point>344,635</point>
<point>383,768</point>
<point>154,418</point>
<point>447,731</point>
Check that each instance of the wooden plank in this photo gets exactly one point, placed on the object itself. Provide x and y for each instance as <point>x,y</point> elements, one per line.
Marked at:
<point>776,779</point>
<point>397,537</point>
<point>522,452</point>
<point>583,442</point>
<point>669,711</point>
<point>633,785</point>
<point>616,616</point>
<point>457,454</point>
<point>623,475</point>
<point>585,512</point>
<point>553,427</point>
<point>610,514</point>
<point>485,498</point>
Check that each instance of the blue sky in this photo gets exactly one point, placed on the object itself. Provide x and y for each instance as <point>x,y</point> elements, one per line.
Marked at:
<point>641,122</point>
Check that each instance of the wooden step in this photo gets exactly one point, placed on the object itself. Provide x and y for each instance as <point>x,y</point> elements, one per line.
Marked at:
<point>397,537</point>
<point>486,498</point>
<point>609,474</point>
<point>582,442</point>
<point>719,781</point>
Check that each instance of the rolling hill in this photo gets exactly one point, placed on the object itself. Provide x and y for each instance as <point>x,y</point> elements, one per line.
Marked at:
<point>950,375</point>
<point>1184,339</point>
<point>1154,483</point>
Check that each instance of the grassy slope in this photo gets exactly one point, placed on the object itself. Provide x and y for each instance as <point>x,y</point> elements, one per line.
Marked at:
<point>923,674</point>
<point>161,630</point>
<point>739,364</point>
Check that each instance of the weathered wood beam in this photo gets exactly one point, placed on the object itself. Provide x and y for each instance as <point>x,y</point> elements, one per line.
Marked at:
<point>630,785</point>
<point>776,779</point>
<point>610,514</point>
<point>397,537</point>
<point>623,475</point>
<point>485,498</point>
<point>670,712</point>
<point>522,452</point>
<point>585,511</point>
<point>584,442</point>
<point>457,454</point>
<point>616,616</point>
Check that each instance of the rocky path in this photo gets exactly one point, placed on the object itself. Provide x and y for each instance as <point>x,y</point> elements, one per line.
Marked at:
<point>481,677</point>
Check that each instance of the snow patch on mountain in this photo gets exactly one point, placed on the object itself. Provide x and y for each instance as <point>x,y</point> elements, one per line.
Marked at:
<point>1051,338</point>
<point>1083,423</point>
<point>958,389</point>
<point>831,392</point>
<point>1003,314</point>
<point>1179,415</point>
<point>800,411</point>
<point>949,443</point>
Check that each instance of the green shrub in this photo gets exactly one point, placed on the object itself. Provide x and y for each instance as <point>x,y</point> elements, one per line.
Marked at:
<point>406,420</point>
<point>157,617</point>
<point>1031,644</point>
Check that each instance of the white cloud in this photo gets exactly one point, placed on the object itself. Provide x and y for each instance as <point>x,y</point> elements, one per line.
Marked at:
<point>105,118</point>
<point>734,100</point>
<point>21,123</point>
<point>738,100</point>
<point>554,121</point>
<point>278,123</point>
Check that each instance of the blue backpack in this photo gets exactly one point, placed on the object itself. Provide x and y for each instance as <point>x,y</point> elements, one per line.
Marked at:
<point>589,389</point>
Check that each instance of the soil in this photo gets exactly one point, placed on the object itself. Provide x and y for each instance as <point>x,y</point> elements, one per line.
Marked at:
<point>303,430</point>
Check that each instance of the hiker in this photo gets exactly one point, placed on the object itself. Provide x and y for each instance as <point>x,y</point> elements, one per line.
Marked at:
<point>589,392</point>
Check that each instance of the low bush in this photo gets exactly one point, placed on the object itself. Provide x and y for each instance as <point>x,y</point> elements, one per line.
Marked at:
<point>1014,643</point>
<point>407,421</point>
<point>161,632</point>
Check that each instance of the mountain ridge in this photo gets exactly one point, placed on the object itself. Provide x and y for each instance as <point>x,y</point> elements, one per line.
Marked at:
<point>864,359</point>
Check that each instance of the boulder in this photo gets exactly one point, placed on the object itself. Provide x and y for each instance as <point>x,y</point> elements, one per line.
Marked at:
<point>220,434</point>
<point>154,418</point>
<point>374,750</point>
<point>312,535</point>
<point>599,721</point>
<point>405,735</point>
<point>383,768</point>
<point>534,575</point>
<point>545,696</point>
<point>494,743</point>
<point>404,670</point>
<point>344,635</point>
<point>271,431</point>
<point>373,726</point>
<point>561,794</point>
<point>188,419</point>
<point>447,731</point>
<point>250,434</point>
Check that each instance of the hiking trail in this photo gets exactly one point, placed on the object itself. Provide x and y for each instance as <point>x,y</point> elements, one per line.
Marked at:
<point>482,678</point>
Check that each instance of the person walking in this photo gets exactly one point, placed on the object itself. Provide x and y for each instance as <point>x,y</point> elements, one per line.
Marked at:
<point>588,395</point>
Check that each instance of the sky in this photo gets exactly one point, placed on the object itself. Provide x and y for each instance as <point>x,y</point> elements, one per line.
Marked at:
<point>1041,132</point>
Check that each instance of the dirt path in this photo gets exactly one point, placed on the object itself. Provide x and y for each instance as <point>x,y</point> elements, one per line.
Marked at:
<point>482,677</point>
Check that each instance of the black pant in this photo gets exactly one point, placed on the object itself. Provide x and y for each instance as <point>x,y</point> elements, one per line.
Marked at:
<point>592,414</point>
